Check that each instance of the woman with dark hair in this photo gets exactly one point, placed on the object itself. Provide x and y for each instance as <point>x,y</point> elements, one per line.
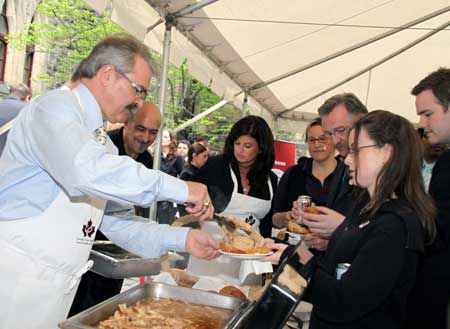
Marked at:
<point>197,157</point>
<point>240,181</point>
<point>369,268</point>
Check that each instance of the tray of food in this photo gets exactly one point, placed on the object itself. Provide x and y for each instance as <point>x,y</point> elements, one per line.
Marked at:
<point>116,263</point>
<point>159,305</point>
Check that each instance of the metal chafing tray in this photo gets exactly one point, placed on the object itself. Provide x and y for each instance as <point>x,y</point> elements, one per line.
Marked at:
<point>90,318</point>
<point>116,263</point>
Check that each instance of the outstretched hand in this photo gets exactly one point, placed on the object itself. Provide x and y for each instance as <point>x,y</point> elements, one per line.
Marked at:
<point>324,223</point>
<point>200,244</point>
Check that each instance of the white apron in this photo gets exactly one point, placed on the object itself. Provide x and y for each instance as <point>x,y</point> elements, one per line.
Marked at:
<point>42,260</point>
<point>244,207</point>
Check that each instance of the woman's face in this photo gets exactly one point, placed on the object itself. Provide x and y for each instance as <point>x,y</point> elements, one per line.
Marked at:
<point>200,159</point>
<point>320,145</point>
<point>246,150</point>
<point>165,138</point>
<point>371,160</point>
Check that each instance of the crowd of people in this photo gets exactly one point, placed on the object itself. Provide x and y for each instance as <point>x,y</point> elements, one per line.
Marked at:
<point>379,185</point>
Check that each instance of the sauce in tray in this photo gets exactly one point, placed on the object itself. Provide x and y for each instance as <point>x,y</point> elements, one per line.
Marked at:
<point>166,313</point>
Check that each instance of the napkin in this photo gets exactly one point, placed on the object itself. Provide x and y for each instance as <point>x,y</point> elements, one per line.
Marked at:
<point>252,268</point>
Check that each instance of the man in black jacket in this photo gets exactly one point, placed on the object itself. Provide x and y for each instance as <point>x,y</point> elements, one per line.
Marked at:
<point>132,140</point>
<point>429,301</point>
<point>338,114</point>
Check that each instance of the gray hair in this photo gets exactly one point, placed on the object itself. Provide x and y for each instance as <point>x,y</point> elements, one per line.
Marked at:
<point>20,90</point>
<point>119,50</point>
<point>352,103</point>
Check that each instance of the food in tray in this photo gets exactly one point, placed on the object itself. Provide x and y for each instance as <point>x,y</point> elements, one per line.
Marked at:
<point>232,291</point>
<point>241,244</point>
<point>296,228</point>
<point>166,313</point>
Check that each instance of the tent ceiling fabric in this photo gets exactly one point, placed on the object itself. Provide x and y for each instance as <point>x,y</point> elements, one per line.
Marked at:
<point>237,44</point>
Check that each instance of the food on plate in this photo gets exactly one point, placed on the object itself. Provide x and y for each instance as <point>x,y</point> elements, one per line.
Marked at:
<point>247,228</point>
<point>294,227</point>
<point>166,313</point>
<point>231,249</point>
<point>242,242</point>
<point>232,291</point>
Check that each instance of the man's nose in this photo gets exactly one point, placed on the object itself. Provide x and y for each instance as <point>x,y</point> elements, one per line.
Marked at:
<point>421,122</point>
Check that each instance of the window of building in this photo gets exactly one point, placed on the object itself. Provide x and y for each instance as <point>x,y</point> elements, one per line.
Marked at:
<point>3,33</point>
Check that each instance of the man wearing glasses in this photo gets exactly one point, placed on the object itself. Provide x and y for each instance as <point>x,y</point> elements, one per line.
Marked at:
<point>57,172</point>
<point>338,115</point>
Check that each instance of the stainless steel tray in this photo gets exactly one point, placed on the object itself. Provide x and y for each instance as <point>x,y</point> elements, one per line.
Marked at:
<point>117,263</point>
<point>90,318</point>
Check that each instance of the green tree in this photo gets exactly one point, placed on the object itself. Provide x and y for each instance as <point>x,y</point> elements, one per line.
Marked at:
<point>69,34</point>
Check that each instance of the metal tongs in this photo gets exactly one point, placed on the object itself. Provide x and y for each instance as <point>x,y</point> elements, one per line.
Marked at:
<point>224,223</point>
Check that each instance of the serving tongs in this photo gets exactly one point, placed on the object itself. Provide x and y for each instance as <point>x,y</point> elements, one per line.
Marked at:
<point>230,224</point>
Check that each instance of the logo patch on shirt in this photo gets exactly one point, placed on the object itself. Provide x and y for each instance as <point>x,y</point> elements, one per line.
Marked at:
<point>88,229</point>
<point>250,220</point>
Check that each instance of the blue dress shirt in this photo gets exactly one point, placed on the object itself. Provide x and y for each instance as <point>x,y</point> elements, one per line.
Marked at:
<point>51,148</point>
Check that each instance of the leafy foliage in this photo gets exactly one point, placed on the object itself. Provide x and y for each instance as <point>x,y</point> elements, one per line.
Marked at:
<point>70,32</point>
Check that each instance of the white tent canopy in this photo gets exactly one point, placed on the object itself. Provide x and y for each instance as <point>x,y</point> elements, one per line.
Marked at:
<point>237,44</point>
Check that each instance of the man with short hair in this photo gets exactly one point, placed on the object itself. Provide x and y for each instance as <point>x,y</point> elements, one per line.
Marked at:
<point>183,148</point>
<point>338,115</point>
<point>10,106</point>
<point>429,300</point>
<point>59,170</point>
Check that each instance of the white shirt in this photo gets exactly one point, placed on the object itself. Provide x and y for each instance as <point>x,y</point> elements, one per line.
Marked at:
<point>51,147</point>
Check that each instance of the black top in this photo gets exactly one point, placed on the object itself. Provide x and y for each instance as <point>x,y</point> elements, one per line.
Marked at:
<point>430,298</point>
<point>116,136</point>
<point>215,174</point>
<point>189,172</point>
<point>383,252</point>
<point>299,180</point>
<point>172,167</point>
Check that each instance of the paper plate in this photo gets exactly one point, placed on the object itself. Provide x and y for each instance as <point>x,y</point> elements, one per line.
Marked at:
<point>245,256</point>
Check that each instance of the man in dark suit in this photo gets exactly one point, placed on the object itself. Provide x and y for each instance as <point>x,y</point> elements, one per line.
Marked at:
<point>338,115</point>
<point>10,106</point>
<point>429,300</point>
<point>132,140</point>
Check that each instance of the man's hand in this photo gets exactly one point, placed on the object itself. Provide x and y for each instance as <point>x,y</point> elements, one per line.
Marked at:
<point>324,223</point>
<point>316,241</point>
<point>198,202</point>
<point>200,244</point>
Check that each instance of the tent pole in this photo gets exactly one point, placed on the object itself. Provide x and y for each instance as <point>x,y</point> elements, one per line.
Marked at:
<point>200,115</point>
<point>188,10</point>
<point>162,101</point>
<point>368,68</point>
<point>346,50</point>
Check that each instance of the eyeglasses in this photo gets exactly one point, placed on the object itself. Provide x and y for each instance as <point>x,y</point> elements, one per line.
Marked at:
<point>340,131</point>
<point>321,139</point>
<point>141,92</point>
<point>356,150</point>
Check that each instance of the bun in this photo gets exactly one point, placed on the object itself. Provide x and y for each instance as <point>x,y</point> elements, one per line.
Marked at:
<point>242,242</point>
<point>229,248</point>
<point>232,291</point>
<point>311,210</point>
<point>296,228</point>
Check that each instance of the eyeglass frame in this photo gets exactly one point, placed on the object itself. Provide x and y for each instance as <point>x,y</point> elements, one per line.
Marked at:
<point>352,151</point>
<point>340,131</point>
<point>141,91</point>
<point>312,139</point>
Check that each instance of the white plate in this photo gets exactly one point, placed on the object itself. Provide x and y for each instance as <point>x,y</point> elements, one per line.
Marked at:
<point>297,236</point>
<point>245,256</point>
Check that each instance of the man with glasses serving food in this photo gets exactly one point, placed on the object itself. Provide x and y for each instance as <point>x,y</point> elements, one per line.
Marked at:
<point>338,114</point>
<point>58,171</point>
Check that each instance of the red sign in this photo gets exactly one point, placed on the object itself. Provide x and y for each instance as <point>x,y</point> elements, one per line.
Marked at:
<point>284,155</point>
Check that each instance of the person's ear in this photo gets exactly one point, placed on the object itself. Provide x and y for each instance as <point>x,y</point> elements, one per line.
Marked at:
<point>106,74</point>
<point>387,152</point>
